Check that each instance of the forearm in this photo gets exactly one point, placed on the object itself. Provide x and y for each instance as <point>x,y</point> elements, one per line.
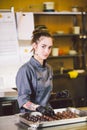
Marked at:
<point>30,106</point>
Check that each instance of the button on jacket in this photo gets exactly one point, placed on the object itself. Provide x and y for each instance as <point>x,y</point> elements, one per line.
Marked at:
<point>34,83</point>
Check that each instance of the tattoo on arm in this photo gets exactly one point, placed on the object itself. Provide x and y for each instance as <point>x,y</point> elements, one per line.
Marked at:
<point>30,106</point>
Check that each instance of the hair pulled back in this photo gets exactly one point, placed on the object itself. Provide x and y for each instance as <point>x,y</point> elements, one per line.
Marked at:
<point>39,32</point>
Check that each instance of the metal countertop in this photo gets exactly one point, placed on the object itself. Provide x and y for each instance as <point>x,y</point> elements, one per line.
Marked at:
<point>12,123</point>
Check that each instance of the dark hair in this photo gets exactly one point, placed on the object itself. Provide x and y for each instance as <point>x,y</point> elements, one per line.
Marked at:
<point>38,32</point>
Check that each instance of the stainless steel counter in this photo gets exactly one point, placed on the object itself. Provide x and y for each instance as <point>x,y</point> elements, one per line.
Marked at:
<point>12,123</point>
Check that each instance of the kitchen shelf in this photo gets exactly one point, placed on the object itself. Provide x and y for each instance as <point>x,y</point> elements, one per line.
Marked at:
<point>65,35</point>
<point>65,56</point>
<point>59,13</point>
<point>63,21</point>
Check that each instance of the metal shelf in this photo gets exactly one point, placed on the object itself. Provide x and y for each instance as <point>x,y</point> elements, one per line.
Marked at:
<point>58,13</point>
<point>79,61</point>
<point>65,35</point>
<point>64,56</point>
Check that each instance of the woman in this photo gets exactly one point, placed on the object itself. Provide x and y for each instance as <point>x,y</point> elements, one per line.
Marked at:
<point>34,78</point>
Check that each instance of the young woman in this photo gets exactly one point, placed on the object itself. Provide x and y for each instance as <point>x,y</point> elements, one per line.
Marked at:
<point>34,78</point>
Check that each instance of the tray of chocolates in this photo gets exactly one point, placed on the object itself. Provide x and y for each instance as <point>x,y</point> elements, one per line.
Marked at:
<point>62,117</point>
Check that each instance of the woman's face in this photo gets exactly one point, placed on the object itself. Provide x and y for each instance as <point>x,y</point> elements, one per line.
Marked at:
<point>43,47</point>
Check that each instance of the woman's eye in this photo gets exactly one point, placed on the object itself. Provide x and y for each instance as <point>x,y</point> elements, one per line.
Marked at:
<point>50,47</point>
<point>43,46</point>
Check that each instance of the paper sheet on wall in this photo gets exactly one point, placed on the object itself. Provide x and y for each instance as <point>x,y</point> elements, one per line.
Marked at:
<point>9,49</point>
<point>8,38</point>
<point>25,25</point>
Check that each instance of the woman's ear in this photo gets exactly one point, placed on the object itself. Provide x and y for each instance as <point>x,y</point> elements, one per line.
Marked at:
<point>34,45</point>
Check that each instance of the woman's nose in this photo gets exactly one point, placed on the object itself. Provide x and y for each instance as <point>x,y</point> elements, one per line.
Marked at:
<point>47,51</point>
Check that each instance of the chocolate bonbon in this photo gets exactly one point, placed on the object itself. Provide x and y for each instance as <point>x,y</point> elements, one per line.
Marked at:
<point>59,115</point>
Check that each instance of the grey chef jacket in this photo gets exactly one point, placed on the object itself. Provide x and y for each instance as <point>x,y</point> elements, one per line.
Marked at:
<point>34,83</point>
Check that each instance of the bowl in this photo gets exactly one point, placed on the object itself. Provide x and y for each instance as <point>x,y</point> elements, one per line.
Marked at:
<point>72,52</point>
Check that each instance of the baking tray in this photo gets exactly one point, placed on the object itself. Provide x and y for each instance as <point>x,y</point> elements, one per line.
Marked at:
<point>82,117</point>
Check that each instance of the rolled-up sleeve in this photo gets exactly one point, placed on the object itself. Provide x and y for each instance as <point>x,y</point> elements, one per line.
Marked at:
<point>23,86</point>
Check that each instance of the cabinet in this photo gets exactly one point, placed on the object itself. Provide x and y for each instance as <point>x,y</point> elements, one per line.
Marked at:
<point>64,22</point>
<point>77,89</point>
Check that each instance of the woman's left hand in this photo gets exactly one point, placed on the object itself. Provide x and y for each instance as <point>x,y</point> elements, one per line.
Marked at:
<point>45,110</point>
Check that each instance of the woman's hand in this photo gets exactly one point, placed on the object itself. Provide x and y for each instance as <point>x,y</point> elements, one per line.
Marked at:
<point>45,110</point>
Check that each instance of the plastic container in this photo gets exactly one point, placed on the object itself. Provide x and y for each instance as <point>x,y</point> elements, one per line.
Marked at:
<point>48,6</point>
